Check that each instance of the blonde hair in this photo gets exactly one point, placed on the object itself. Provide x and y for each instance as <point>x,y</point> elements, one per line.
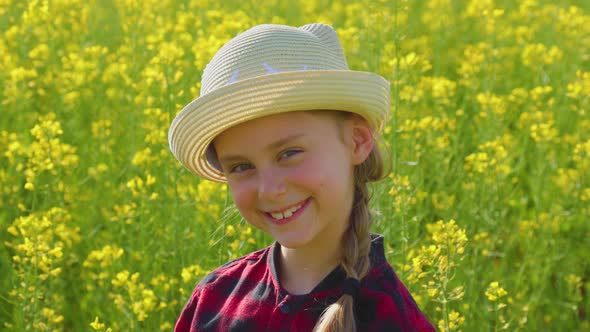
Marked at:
<point>356,244</point>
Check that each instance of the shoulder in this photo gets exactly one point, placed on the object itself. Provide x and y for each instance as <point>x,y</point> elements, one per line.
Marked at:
<point>383,283</point>
<point>386,303</point>
<point>381,278</point>
<point>207,308</point>
<point>251,266</point>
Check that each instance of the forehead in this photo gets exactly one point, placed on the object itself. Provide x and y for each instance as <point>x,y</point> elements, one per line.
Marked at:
<point>274,127</point>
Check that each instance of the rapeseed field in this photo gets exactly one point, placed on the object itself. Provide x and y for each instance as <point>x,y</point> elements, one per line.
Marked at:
<point>486,212</point>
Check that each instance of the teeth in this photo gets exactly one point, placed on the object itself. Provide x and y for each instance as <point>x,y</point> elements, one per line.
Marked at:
<point>286,213</point>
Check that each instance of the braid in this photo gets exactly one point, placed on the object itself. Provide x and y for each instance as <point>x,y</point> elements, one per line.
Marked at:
<point>356,244</point>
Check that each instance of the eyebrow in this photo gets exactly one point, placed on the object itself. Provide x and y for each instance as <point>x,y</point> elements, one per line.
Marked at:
<point>272,146</point>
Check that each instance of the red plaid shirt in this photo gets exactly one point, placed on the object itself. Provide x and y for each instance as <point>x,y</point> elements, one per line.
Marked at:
<point>245,295</point>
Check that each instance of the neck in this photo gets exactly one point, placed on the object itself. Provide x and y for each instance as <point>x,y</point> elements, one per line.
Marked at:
<point>302,269</point>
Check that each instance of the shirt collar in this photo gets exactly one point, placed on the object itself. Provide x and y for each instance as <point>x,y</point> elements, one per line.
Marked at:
<point>334,278</point>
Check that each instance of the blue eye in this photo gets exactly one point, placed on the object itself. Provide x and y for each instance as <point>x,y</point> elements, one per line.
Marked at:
<point>239,168</point>
<point>289,153</point>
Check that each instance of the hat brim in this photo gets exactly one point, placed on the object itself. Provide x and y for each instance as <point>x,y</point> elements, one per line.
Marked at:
<point>199,122</point>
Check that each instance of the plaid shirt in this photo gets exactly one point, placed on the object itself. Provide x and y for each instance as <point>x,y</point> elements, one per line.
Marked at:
<point>245,295</point>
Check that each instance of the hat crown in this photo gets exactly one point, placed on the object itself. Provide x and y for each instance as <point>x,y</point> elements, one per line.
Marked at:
<point>270,48</point>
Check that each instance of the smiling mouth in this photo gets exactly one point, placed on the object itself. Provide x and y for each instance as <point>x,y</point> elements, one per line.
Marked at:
<point>287,214</point>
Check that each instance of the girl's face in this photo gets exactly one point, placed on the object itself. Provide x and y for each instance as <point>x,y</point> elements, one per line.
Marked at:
<point>291,174</point>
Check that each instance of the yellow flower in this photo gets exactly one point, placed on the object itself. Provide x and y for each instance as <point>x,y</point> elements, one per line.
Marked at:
<point>495,292</point>
<point>534,55</point>
<point>580,88</point>
<point>121,278</point>
<point>492,103</point>
<point>192,273</point>
<point>230,230</point>
<point>143,157</point>
<point>96,325</point>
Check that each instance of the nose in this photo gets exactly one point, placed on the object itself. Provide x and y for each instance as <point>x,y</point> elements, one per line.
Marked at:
<point>271,184</point>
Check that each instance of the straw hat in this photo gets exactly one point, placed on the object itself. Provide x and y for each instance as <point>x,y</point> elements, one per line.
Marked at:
<point>266,70</point>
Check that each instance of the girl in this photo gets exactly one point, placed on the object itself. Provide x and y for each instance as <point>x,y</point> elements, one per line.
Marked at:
<point>291,130</point>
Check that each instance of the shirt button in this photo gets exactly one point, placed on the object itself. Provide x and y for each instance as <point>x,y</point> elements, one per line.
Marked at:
<point>284,308</point>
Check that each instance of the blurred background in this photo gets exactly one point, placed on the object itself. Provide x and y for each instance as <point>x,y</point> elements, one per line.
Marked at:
<point>485,213</point>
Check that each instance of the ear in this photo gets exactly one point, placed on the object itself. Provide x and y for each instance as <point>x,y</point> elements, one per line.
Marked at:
<point>363,140</point>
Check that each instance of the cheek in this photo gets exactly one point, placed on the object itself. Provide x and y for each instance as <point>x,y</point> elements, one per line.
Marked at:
<point>306,174</point>
<point>322,176</point>
<point>242,196</point>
